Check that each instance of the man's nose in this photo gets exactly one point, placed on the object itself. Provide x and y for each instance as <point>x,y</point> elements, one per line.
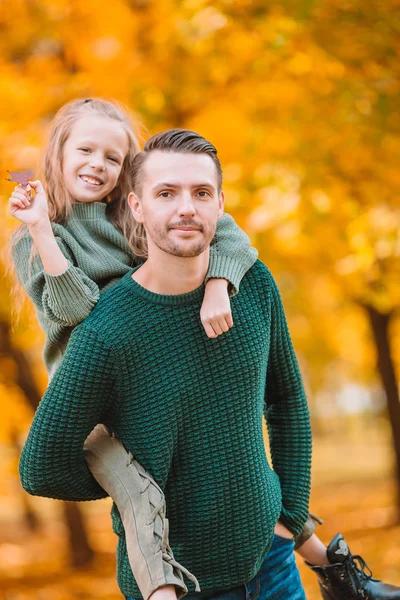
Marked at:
<point>186,205</point>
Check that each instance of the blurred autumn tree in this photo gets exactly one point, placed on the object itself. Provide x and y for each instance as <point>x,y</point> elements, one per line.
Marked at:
<point>301,99</point>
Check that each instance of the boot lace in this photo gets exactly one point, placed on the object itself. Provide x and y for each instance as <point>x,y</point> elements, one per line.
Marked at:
<point>159,510</point>
<point>359,573</point>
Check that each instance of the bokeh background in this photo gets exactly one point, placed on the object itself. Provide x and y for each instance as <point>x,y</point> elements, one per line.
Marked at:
<point>302,100</point>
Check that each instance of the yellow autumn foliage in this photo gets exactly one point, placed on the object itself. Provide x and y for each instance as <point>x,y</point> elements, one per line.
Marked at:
<point>300,99</point>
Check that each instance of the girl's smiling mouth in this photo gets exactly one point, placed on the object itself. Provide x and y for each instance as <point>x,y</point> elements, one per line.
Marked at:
<point>92,180</point>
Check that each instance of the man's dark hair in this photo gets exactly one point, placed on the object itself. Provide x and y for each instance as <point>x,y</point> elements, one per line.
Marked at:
<point>174,140</point>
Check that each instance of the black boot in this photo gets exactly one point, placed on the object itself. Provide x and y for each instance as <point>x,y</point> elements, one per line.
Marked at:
<point>348,576</point>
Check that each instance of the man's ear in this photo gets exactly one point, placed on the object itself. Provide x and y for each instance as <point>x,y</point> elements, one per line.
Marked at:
<point>221,201</point>
<point>136,207</point>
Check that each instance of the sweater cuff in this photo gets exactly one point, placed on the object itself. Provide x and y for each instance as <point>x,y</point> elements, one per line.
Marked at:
<point>294,524</point>
<point>225,267</point>
<point>68,287</point>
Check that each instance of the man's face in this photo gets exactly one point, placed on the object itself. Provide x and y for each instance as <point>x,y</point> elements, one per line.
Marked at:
<point>179,203</point>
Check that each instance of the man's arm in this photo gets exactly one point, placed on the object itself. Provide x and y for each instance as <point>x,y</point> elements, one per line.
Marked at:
<point>52,462</point>
<point>288,421</point>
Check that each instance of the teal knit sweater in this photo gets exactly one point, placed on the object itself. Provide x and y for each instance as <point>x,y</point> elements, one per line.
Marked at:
<point>190,410</point>
<point>98,256</point>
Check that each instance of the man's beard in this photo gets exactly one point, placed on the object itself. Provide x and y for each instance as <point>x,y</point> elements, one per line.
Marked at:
<point>185,249</point>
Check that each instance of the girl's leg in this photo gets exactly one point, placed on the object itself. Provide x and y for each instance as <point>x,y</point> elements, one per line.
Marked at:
<point>314,551</point>
<point>309,546</point>
<point>340,573</point>
<point>141,505</point>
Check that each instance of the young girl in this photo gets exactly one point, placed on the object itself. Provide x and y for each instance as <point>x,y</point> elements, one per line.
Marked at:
<point>74,245</point>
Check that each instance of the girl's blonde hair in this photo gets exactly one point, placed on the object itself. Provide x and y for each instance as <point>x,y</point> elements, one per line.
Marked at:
<point>58,196</point>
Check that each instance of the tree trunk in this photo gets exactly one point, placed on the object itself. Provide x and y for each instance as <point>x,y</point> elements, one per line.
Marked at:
<point>24,378</point>
<point>31,521</point>
<point>380,326</point>
<point>80,551</point>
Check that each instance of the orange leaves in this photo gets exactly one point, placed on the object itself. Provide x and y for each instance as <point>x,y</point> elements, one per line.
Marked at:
<point>226,125</point>
<point>311,91</point>
<point>15,415</point>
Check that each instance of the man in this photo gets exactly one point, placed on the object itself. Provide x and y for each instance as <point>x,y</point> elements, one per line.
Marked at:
<point>187,407</point>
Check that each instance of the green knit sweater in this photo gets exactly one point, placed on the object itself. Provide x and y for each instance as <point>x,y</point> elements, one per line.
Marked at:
<point>98,256</point>
<point>190,410</point>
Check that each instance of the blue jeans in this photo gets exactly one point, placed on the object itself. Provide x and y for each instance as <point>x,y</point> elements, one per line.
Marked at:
<point>278,578</point>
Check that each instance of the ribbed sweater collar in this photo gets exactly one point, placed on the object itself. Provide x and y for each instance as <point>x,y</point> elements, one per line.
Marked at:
<point>88,211</point>
<point>192,297</point>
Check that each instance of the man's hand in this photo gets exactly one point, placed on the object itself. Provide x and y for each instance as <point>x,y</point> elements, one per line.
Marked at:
<point>282,531</point>
<point>215,311</point>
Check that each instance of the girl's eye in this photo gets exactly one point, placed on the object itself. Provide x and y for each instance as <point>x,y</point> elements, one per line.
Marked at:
<point>85,149</point>
<point>113,159</point>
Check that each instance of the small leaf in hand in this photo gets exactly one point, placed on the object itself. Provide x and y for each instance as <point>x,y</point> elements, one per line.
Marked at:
<point>21,178</point>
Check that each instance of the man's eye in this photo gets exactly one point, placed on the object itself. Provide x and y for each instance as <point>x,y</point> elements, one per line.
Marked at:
<point>165,194</point>
<point>203,193</point>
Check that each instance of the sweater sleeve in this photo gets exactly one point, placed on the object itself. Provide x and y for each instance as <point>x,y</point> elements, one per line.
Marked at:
<point>288,421</point>
<point>66,299</point>
<point>231,255</point>
<point>52,462</point>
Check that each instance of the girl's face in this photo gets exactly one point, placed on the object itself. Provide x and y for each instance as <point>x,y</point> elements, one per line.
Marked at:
<point>93,156</point>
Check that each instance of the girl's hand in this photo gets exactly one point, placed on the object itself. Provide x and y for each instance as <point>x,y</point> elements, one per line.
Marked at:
<point>215,311</point>
<point>28,209</point>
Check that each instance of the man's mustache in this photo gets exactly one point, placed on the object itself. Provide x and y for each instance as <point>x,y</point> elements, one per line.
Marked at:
<point>187,223</point>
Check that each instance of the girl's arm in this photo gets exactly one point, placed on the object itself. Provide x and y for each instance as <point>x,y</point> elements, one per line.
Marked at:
<point>33,212</point>
<point>59,290</point>
<point>53,260</point>
<point>231,256</point>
